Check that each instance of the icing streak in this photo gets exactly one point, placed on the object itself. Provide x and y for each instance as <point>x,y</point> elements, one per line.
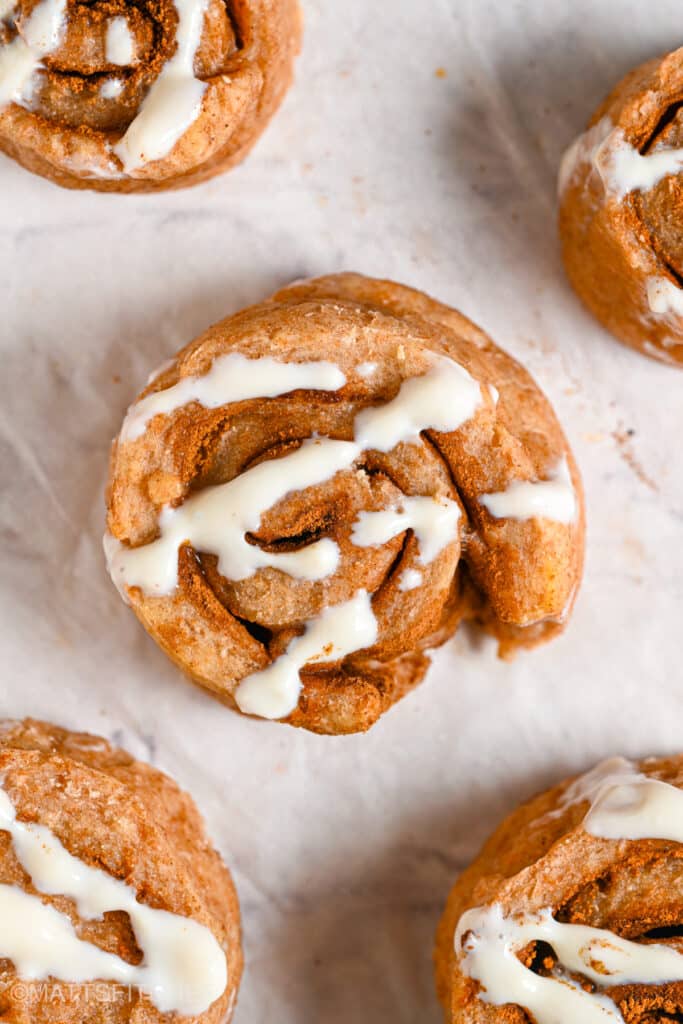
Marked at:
<point>624,169</point>
<point>553,498</point>
<point>625,805</point>
<point>664,297</point>
<point>232,378</point>
<point>218,519</point>
<point>21,58</point>
<point>490,944</point>
<point>629,805</point>
<point>621,166</point>
<point>183,969</point>
<point>434,523</point>
<point>337,632</point>
<point>120,48</point>
<point>174,100</point>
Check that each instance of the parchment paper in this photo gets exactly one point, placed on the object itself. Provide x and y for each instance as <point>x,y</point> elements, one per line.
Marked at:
<point>344,849</point>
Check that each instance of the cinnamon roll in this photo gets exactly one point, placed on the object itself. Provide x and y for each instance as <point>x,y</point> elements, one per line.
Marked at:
<point>319,489</point>
<point>573,909</point>
<point>113,905</point>
<point>137,97</point>
<point>621,211</point>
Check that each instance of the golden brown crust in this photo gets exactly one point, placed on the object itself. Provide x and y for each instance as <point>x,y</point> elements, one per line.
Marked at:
<point>519,578</point>
<point>129,819</point>
<point>246,57</point>
<point>540,857</point>
<point>613,246</point>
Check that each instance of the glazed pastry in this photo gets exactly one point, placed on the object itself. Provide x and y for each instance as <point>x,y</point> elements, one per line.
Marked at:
<point>573,911</point>
<point>113,905</point>
<point>621,211</point>
<point>137,97</point>
<point>319,489</point>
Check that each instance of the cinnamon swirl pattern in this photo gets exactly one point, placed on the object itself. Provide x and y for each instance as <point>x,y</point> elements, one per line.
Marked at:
<point>572,911</point>
<point>136,97</point>
<point>319,489</point>
<point>113,906</point>
<point>621,211</point>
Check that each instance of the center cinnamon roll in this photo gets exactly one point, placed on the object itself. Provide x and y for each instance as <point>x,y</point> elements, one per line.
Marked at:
<point>321,488</point>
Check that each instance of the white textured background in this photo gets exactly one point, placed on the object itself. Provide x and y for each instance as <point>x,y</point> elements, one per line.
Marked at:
<point>344,849</point>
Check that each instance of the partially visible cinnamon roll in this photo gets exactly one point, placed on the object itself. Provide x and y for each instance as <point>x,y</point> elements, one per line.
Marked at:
<point>573,911</point>
<point>136,97</point>
<point>621,211</point>
<point>319,489</point>
<point>114,907</point>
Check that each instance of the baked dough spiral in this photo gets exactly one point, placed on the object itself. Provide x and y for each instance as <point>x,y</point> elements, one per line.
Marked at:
<point>320,488</point>
<point>137,97</point>
<point>621,211</point>
<point>573,909</point>
<point>113,905</point>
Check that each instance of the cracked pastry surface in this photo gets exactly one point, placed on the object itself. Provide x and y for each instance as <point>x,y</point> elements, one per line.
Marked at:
<point>321,488</point>
<point>621,210</point>
<point>573,909</point>
<point>138,97</point>
<point>114,905</point>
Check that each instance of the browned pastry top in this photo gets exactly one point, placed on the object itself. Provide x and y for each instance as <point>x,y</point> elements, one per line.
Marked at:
<point>518,577</point>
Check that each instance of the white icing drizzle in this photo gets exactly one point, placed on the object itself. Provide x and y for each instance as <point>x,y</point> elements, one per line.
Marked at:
<point>120,45</point>
<point>433,521</point>
<point>582,151</point>
<point>366,369</point>
<point>621,166</point>
<point>664,297</point>
<point>442,400</point>
<point>183,969</point>
<point>410,579</point>
<point>623,169</point>
<point>492,942</point>
<point>217,519</point>
<point>629,805</point>
<point>625,805</point>
<point>338,631</point>
<point>174,100</point>
<point>21,58</point>
<point>231,378</point>
<point>553,498</point>
<point>111,88</point>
